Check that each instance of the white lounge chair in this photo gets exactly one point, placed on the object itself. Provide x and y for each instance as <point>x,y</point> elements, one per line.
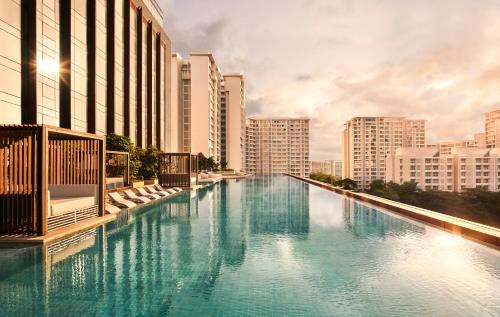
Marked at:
<point>178,189</point>
<point>152,190</point>
<point>132,196</point>
<point>120,201</point>
<point>112,209</point>
<point>143,192</point>
<point>159,188</point>
<point>171,190</point>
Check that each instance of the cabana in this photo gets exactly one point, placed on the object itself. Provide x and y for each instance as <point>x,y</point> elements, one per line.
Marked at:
<point>117,169</point>
<point>178,170</point>
<point>49,178</point>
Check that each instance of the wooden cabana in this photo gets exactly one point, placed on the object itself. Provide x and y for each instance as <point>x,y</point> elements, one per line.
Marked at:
<point>49,178</point>
<point>117,169</point>
<point>178,170</point>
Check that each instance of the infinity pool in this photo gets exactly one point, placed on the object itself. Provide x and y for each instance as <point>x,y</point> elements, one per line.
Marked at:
<point>270,246</point>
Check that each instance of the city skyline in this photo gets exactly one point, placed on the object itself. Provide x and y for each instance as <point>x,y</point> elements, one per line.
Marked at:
<point>386,58</point>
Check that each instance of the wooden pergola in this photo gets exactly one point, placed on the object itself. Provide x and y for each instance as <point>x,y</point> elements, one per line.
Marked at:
<point>50,177</point>
<point>178,170</point>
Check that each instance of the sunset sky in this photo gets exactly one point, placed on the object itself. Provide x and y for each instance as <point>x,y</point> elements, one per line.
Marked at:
<point>331,60</point>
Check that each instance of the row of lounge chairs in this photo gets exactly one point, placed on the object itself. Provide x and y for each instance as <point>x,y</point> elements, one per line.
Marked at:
<point>140,196</point>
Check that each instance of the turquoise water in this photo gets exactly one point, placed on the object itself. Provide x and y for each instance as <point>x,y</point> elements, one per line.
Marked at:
<point>259,247</point>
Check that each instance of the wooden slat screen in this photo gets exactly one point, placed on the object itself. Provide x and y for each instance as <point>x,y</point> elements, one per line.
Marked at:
<point>73,162</point>
<point>18,189</point>
<point>176,169</point>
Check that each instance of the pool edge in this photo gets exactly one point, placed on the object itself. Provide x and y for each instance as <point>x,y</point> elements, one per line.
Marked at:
<point>483,234</point>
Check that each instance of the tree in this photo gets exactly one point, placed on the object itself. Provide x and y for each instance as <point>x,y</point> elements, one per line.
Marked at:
<point>206,164</point>
<point>121,143</point>
<point>150,162</point>
<point>377,185</point>
<point>223,164</point>
<point>348,184</point>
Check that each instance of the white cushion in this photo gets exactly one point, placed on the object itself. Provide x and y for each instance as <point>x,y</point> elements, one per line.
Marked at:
<point>61,206</point>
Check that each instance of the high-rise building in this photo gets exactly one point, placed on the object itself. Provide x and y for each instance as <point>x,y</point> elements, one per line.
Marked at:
<point>447,146</point>
<point>330,167</point>
<point>492,129</point>
<point>96,66</point>
<point>198,100</point>
<point>368,140</point>
<point>278,145</point>
<point>233,117</point>
<point>462,169</point>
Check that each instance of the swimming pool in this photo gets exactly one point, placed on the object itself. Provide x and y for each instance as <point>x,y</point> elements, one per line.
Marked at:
<point>265,246</point>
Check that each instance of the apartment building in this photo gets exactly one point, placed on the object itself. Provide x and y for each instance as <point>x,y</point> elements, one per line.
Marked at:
<point>330,167</point>
<point>446,147</point>
<point>198,99</point>
<point>462,169</point>
<point>97,66</point>
<point>233,121</point>
<point>368,140</point>
<point>492,129</point>
<point>278,145</point>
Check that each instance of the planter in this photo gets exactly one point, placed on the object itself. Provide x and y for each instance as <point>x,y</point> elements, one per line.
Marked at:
<point>150,181</point>
<point>137,184</point>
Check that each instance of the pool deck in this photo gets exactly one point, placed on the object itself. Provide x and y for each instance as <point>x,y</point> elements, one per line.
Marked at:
<point>467,229</point>
<point>71,230</point>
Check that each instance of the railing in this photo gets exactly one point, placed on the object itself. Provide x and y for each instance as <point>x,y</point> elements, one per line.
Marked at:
<point>178,170</point>
<point>36,157</point>
<point>117,169</point>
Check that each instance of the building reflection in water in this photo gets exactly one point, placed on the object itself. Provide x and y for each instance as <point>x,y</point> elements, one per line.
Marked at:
<point>277,205</point>
<point>365,221</point>
<point>146,260</point>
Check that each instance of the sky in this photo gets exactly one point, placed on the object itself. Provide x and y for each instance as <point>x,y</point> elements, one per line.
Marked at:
<point>331,60</point>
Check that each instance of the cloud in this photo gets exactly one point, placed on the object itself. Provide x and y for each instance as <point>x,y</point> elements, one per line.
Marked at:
<point>303,77</point>
<point>336,59</point>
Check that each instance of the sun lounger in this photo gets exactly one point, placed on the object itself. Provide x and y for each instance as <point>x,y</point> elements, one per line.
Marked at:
<point>112,209</point>
<point>178,189</point>
<point>119,200</point>
<point>170,190</point>
<point>159,188</point>
<point>132,196</point>
<point>152,190</point>
<point>143,192</point>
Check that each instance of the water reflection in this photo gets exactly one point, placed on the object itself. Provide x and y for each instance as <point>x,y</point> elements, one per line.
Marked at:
<point>365,221</point>
<point>277,206</point>
<point>171,257</point>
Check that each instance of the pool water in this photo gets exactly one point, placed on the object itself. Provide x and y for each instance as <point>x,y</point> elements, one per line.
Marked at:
<point>265,246</point>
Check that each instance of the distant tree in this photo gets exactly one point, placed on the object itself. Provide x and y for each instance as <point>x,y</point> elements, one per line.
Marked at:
<point>206,164</point>
<point>348,184</point>
<point>223,164</point>
<point>376,185</point>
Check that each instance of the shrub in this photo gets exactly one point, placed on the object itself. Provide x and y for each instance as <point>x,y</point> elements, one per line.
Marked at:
<point>150,160</point>
<point>121,143</point>
<point>206,164</point>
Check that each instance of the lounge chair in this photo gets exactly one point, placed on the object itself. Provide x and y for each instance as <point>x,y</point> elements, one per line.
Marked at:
<point>143,192</point>
<point>178,189</point>
<point>112,209</point>
<point>160,189</point>
<point>171,190</point>
<point>152,190</point>
<point>120,201</point>
<point>132,196</point>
